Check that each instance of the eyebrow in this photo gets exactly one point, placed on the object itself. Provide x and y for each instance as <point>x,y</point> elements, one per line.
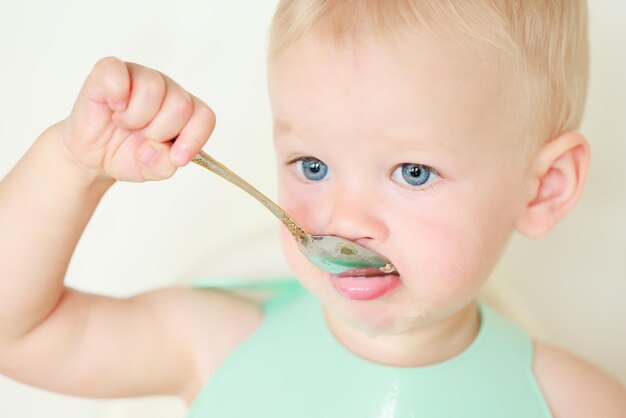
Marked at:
<point>407,138</point>
<point>282,129</point>
<point>415,138</point>
<point>282,126</point>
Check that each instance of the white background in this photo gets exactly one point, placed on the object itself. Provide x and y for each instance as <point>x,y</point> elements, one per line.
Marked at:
<point>568,288</point>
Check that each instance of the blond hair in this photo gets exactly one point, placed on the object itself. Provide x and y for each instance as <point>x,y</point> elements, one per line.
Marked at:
<point>546,39</point>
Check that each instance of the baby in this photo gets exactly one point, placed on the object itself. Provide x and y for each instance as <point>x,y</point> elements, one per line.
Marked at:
<point>427,131</point>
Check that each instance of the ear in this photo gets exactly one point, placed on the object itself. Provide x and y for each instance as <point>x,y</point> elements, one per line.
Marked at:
<point>558,175</point>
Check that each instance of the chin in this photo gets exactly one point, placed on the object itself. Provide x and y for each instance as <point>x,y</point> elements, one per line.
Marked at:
<point>374,321</point>
<point>392,314</point>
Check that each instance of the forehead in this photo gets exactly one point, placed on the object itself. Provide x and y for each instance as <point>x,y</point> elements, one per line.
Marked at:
<point>425,86</point>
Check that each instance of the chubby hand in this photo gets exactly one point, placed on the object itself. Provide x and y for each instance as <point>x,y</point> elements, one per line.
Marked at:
<point>124,119</point>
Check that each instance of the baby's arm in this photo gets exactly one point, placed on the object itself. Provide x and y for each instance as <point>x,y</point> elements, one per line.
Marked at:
<point>574,388</point>
<point>64,340</point>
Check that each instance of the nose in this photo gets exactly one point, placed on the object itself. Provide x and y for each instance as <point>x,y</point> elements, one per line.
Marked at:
<point>355,214</point>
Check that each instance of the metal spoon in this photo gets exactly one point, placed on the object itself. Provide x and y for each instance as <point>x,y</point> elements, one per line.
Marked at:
<point>333,254</point>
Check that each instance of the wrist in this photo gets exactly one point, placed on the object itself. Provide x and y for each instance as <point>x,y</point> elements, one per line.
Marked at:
<point>55,148</point>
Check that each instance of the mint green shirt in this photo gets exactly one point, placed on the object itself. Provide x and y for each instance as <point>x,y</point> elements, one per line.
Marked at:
<point>292,366</point>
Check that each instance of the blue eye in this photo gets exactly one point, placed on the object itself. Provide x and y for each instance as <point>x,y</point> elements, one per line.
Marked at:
<point>312,168</point>
<point>413,174</point>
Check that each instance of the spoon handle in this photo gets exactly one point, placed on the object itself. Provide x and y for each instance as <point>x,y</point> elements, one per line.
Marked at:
<point>208,162</point>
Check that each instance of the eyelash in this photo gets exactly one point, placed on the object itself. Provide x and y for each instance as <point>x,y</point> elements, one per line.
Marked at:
<point>432,176</point>
<point>300,170</point>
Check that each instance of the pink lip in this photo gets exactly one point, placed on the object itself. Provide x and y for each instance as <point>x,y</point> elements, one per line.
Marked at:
<point>364,284</point>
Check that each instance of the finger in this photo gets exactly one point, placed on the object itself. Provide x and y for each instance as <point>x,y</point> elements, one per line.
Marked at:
<point>194,135</point>
<point>173,115</point>
<point>107,84</point>
<point>148,89</point>
<point>153,159</point>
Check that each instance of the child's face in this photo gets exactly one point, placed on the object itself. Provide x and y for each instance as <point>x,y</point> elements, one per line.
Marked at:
<point>409,151</point>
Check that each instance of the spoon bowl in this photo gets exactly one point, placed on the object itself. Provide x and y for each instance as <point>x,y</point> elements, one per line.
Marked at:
<point>337,255</point>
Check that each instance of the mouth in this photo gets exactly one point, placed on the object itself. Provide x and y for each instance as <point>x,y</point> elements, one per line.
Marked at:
<point>365,283</point>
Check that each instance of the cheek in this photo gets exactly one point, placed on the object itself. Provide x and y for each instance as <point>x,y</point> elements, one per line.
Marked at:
<point>310,276</point>
<point>443,266</point>
<point>452,262</point>
<point>452,251</point>
<point>294,257</point>
<point>303,204</point>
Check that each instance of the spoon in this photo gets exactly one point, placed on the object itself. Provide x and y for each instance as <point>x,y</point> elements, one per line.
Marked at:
<point>333,254</point>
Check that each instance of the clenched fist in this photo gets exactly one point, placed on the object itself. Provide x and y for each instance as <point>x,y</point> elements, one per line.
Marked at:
<point>124,119</point>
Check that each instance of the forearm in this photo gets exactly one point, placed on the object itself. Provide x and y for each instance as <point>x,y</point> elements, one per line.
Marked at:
<point>45,204</point>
